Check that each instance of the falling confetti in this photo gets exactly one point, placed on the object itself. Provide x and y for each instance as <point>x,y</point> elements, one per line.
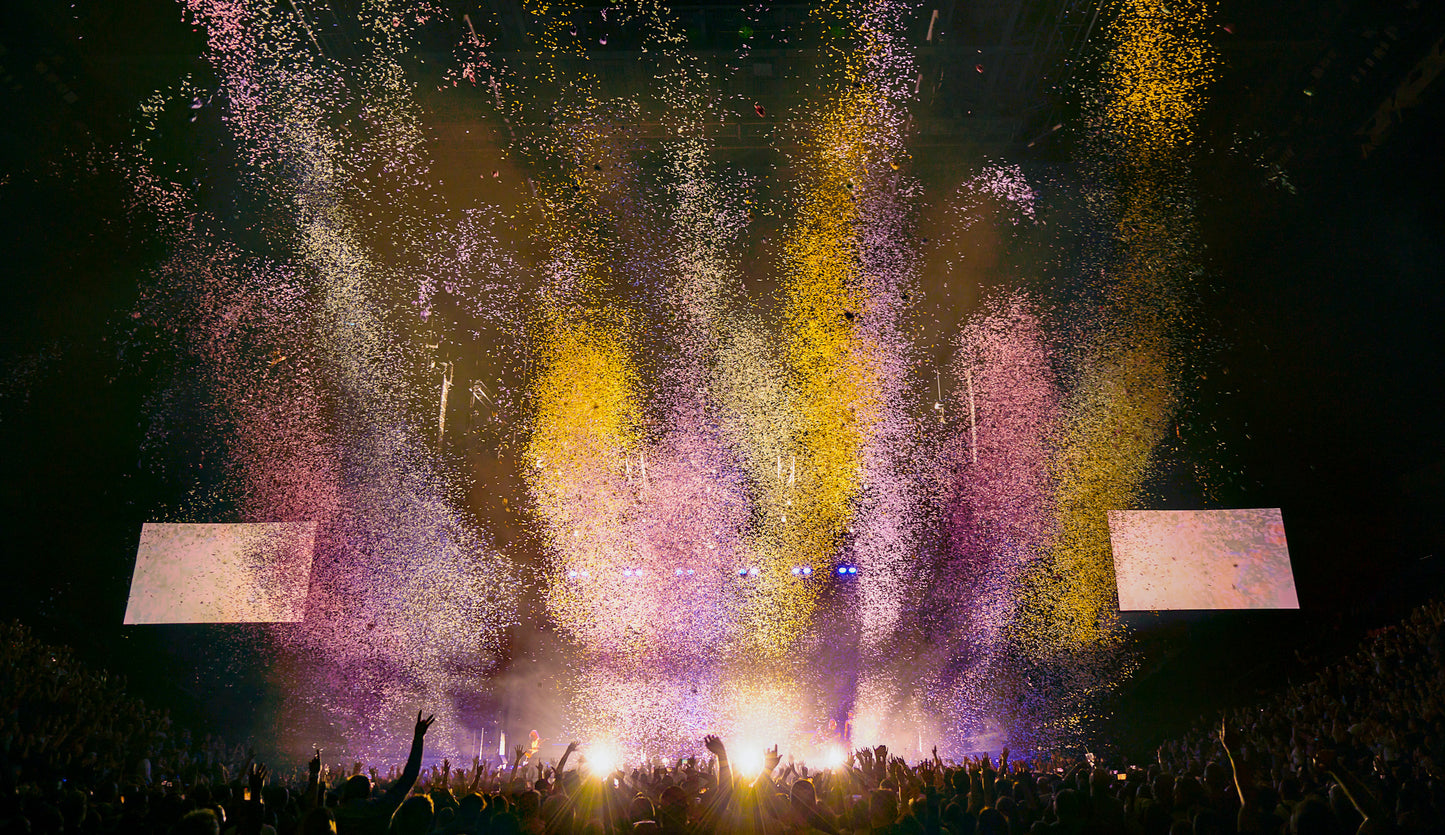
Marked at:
<point>557,380</point>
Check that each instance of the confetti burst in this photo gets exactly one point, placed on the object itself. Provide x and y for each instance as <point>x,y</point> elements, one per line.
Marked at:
<point>692,461</point>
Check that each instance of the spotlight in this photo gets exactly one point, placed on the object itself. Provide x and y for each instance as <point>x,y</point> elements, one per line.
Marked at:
<point>753,572</point>
<point>807,571</point>
<point>750,760</point>
<point>852,569</point>
<point>679,572</point>
<point>842,569</point>
<point>601,760</point>
<point>626,572</point>
<point>797,571</point>
<point>833,757</point>
<point>742,572</point>
<point>572,575</point>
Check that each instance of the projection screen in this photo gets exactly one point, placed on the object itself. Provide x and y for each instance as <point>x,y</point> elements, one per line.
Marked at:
<point>1201,559</point>
<point>226,573</point>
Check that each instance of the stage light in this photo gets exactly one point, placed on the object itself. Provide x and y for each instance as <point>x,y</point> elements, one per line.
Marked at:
<point>678,572</point>
<point>601,761</point>
<point>797,571</point>
<point>572,575</point>
<point>753,571</point>
<point>842,569</point>
<point>750,760</point>
<point>807,571</point>
<point>852,569</point>
<point>626,572</point>
<point>833,757</point>
<point>742,572</point>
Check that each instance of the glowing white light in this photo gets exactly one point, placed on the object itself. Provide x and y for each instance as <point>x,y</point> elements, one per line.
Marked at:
<point>601,760</point>
<point>833,757</point>
<point>750,760</point>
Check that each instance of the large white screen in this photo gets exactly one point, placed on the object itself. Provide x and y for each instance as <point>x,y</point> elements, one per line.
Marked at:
<point>242,573</point>
<point>1201,559</point>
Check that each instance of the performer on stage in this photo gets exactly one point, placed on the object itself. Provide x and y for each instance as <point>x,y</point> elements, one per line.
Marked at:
<point>535,744</point>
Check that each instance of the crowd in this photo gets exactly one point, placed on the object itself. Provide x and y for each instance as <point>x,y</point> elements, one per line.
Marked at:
<point>1353,750</point>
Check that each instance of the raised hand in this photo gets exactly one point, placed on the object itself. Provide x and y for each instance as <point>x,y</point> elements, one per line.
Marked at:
<point>446,766</point>
<point>1228,736</point>
<point>423,724</point>
<point>881,753</point>
<point>518,754</point>
<point>771,758</point>
<point>925,772</point>
<point>256,779</point>
<point>315,764</point>
<point>715,745</point>
<point>572,747</point>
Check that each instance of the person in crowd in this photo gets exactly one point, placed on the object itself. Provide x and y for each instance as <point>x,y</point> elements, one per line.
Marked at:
<point>1356,749</point>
